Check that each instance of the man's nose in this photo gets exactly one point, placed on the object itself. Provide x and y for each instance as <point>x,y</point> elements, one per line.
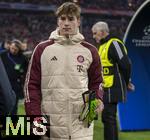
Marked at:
<point>66,22</point>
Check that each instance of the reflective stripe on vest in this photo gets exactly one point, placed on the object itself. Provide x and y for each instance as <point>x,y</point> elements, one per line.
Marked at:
<point>108,67</point>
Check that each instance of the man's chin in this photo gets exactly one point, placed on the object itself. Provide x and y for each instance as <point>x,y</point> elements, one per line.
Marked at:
<point>68,34</point>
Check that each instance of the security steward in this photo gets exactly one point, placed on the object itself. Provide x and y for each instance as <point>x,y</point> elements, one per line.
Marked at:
<point>116,73</point>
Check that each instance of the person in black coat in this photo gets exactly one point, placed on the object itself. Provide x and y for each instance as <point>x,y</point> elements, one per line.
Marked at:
<point>16,66</point>
<point>7,95</point>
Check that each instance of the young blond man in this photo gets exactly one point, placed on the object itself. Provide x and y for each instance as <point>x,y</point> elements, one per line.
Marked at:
<point>60,70</point>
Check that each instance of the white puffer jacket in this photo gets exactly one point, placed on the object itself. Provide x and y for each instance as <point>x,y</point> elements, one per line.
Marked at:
<point>60,71</point>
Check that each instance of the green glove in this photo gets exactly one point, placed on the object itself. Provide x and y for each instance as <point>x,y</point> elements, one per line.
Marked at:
<point>88,113</point>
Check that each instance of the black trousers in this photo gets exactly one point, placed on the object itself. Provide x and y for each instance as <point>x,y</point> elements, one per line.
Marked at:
<point>109,121</point>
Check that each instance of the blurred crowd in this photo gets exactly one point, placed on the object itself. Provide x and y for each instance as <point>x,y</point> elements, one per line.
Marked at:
<point>33,28</point>
<point>112,4</point>
<point>29,28</point>
<point>104,4</point>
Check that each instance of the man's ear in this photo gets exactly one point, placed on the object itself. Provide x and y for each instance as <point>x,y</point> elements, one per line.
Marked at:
<point>103,33</point>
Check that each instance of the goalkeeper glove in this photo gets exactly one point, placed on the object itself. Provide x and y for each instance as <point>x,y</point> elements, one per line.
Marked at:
<point>89,113</point>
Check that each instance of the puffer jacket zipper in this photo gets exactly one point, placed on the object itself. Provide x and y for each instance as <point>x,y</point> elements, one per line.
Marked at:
<point>67,48</point>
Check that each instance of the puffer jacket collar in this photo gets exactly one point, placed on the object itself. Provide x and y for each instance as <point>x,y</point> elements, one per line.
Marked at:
<point>77,38</point>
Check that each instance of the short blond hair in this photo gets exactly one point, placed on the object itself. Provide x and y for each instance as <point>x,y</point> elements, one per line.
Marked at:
<point>68,8</point>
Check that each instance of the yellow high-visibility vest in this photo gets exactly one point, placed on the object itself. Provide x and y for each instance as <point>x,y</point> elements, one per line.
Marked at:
<point>108,67</point>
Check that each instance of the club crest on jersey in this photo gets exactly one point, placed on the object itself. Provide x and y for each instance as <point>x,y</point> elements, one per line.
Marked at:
<point>80,59</point>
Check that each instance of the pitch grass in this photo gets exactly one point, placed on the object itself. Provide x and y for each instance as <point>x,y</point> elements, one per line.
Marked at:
<point>132,135</point>
<point>98,130</point>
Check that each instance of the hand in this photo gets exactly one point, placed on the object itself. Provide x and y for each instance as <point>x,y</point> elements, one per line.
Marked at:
<point>89,114</point>
<point>130,87</point>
